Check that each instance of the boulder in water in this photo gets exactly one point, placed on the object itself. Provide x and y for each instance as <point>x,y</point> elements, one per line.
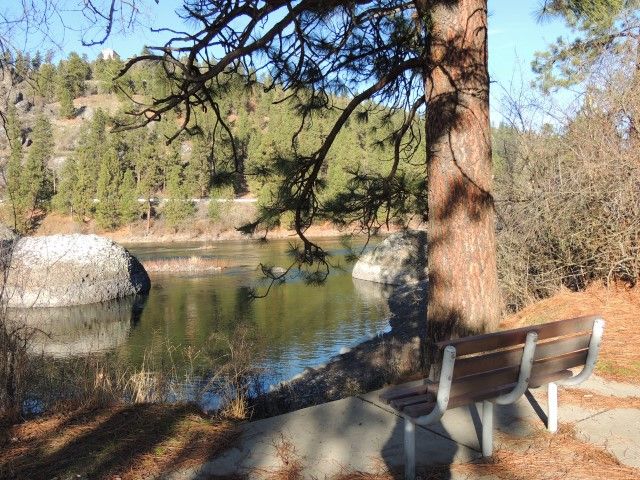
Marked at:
<point>63,270</point>
<point>401,259</point>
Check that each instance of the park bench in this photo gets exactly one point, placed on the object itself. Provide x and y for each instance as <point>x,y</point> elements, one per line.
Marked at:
<point>498,368</point>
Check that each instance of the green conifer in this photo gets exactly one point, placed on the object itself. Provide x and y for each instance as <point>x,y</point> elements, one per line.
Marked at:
<point>197,173</point>
<point>14,168</point>
<point>64,197</point>
<point>178,207</point>
<point>35,179</point>
<point>108,192</point>
<point>65,97</point>
<point>129,206</point>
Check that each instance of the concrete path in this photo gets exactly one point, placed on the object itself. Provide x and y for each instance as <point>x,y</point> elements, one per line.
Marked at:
<point>362,434</point>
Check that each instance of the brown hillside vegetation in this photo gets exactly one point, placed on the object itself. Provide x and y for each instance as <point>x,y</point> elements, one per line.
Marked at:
<point>620,307</point>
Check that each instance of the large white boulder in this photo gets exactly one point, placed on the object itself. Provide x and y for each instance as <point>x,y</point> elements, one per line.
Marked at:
<point>62,270</point>
<point>401,259</point>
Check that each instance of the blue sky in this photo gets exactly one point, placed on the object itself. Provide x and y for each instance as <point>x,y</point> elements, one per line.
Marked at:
<point>515,35</point>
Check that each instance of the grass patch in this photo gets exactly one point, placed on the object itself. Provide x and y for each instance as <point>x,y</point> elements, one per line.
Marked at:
<point>192,264</point>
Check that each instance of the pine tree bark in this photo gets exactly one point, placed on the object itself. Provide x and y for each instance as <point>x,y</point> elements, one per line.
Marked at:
<point>463,292</point>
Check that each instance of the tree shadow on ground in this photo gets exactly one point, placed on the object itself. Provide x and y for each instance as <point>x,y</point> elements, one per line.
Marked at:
<point>129,441</point>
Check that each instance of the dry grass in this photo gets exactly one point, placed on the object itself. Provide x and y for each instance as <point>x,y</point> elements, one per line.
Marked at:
<point>130,442</point>
<point>620,307</point>
<point>236,408</point>
<point>192,264</point>
<point>553,456</point>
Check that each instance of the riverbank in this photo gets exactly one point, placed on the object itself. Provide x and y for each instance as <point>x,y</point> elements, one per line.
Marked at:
<point>200,229</point>
<point>381,360</point>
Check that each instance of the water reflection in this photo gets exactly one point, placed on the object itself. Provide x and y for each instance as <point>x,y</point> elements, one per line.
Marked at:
<point>80,330</point>
<point>373,292</point>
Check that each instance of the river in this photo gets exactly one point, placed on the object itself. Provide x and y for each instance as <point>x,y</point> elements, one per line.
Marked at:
<point>294,327</point>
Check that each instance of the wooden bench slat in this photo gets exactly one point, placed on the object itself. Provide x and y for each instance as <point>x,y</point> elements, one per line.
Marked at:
<point>401,391</point>
<point>550,366</point>
<point>507,375</point>
<point>429,398</point>
<point>401,403</point>
<point>508,338</point>
<point>491,361</point>
<point>491,379</point>
<point>423,407</point>
<point>553,377</point>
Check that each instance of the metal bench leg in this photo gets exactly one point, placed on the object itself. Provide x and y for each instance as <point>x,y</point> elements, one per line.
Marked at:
<point>487,428</point>
<point>552,402</point>
<point>409,450</point>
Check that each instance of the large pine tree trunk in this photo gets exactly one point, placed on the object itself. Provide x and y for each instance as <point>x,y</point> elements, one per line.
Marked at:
<point>463,294</point>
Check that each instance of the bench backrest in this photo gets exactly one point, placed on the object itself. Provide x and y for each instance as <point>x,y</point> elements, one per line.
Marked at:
<point>493,360</point>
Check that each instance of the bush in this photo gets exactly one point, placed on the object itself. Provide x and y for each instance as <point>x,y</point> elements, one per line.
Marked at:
<point>568,201</point>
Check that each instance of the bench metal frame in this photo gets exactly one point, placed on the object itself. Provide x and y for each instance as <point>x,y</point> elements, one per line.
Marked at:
<point>524,376</point>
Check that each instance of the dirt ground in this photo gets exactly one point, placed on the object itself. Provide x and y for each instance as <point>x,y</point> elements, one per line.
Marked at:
<point>129,442</point>
<point>619,305</point>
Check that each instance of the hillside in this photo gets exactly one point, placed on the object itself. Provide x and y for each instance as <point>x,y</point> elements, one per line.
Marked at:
<point>90,176</point>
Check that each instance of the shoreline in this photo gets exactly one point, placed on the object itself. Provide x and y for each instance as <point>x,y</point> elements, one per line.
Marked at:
<point>199,231</point>
<point>367,366</point>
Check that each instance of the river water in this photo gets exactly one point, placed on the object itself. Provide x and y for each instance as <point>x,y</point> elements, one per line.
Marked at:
<point>294,327</point>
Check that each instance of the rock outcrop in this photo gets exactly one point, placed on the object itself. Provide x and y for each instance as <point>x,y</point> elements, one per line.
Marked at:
<point>63,270</point>
<point>401,259</point>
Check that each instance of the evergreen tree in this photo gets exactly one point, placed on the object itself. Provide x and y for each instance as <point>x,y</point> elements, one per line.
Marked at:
<point>89,157</point>
<point>22,65</point>
<point>198,174</point>
<point>178,207</point>
<point>106,72</point>
<point>108,212</point>
<point>14,168</point>
<point>65,97</point>
<point>600,27</point>
<point>129,206</point>
<point>46,81</point>
<point>147,171</point>
<point>36,61</point>
<point>35,181</point>
<point>63,201</point>
<point>74,72</point>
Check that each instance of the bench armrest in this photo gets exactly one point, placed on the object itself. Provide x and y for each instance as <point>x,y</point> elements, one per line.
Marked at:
<point>592,355</point>
<point>526,364</point>
<point>444,389</point>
